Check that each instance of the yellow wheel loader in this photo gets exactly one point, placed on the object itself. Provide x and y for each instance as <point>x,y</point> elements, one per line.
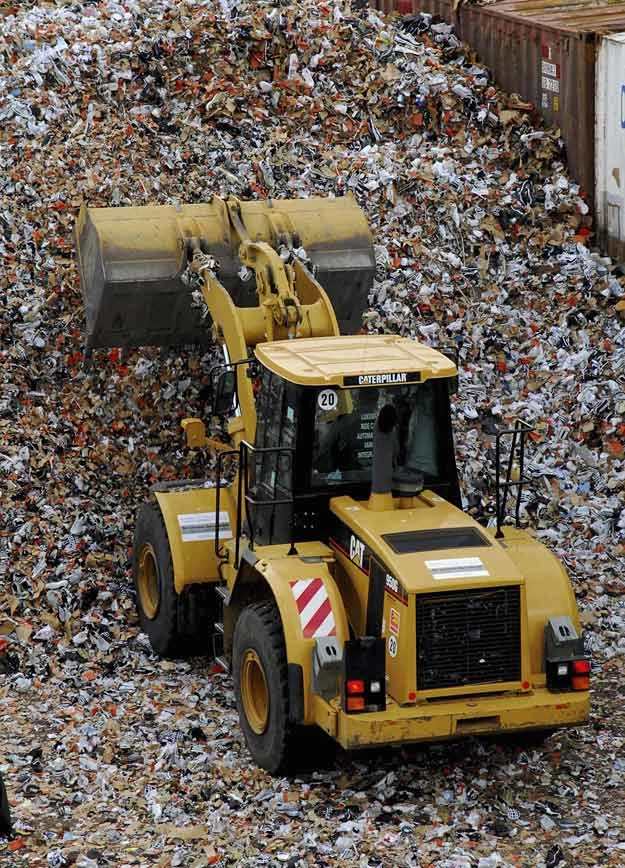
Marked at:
<point>328,562</point>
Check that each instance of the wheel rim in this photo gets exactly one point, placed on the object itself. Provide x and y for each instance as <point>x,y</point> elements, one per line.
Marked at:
<point>254,692</point>
<point>149,590</point>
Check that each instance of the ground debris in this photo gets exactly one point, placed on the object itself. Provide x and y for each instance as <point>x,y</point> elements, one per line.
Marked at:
<point>114,758</point>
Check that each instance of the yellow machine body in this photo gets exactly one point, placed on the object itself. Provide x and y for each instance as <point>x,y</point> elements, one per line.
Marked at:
<point>413,556</point>
<point>411,714</point>
<point>453,718</point>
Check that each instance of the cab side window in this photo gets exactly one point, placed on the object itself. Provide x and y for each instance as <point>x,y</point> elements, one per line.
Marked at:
<point>272,472</point>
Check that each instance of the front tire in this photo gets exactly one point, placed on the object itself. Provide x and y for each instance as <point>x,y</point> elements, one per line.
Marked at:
<point>259,671</point>
<point>177,625</point>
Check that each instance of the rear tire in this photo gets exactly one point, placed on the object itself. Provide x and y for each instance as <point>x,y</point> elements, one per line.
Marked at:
<point>177,625</point>
<point>259,672</point>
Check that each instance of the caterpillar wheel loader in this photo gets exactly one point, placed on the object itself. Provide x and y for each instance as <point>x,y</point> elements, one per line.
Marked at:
<point>328,562</point>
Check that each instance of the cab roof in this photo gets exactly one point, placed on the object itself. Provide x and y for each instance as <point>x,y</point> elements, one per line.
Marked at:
<point>354,360</point>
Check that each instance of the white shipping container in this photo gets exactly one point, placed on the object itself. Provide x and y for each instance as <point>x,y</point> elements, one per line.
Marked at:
<point>610,145</point>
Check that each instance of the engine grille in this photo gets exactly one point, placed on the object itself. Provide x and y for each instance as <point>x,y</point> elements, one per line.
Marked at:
<point>468,637</point>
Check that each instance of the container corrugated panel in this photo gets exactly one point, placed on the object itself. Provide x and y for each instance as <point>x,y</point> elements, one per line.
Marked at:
<point>546,51</point>
<point>578,16</point>
<point>610,145</point>
<point>552,66</point>
<point>575,16</point>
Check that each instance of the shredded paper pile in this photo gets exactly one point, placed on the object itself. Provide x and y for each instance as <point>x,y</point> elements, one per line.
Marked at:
<point>113,757</point>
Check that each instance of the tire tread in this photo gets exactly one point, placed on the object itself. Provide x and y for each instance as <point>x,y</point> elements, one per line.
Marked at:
<point>282,755</point>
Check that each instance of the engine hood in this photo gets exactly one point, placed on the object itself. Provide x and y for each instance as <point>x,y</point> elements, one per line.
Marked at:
<point>431,547</point>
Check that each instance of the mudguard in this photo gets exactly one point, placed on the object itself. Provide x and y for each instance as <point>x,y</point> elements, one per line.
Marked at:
<point>548,590</point>
<point>309,603</point>
<point>190,517</point>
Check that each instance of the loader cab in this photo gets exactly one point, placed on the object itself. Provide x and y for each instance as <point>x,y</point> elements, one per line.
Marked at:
<point>343,429</point>
<point>314,441</point>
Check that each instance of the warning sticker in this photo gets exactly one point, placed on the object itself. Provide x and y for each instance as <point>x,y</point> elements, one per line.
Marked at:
<point>456,568</point>
<point>315,610</point>
<point>393,621</point>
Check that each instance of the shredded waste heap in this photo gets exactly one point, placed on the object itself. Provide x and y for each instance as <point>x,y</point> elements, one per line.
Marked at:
<point>112,757</point>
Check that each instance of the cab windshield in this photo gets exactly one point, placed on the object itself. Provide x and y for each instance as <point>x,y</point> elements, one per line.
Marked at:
<point>345,421</point>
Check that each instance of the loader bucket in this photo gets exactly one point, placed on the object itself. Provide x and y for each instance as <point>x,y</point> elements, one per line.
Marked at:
<point>131,261</point>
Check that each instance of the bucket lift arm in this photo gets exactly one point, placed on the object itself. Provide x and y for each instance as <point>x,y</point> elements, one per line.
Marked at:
<point>291,304</point>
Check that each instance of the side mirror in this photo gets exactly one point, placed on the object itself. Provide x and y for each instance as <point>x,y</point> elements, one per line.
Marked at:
<point>225,392</point>
<point>195,432</point>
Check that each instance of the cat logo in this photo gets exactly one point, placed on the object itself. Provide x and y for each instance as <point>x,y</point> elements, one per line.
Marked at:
<point>357,551</point>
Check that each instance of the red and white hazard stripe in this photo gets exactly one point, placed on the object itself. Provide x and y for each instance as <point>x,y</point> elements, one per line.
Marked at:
<point>313,605</point>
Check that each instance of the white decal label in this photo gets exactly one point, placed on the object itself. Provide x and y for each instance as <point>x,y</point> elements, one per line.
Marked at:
<point>551,84</point>
<point>201,526</point>
<point>392,646</point>
<point>550,69</point>
<point>327,399</point>
<point>392,584</point>
<point>457,568</point>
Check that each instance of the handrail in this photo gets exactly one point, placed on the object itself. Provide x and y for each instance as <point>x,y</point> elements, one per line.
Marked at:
<point>243,452</point>
<point>246,450</point>
<point>518,434</point>
<point>220,456</point>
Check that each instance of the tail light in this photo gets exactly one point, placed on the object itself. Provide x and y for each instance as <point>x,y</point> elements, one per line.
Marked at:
<point>566,665</point>
<point>356,687</point>
<point>364,675</point>
<point>580,675</point>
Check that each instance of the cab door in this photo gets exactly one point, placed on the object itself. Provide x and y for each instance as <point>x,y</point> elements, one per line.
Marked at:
<point>271,464</point>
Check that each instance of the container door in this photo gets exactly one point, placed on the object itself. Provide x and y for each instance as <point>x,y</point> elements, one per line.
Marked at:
<point>610,145</point>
